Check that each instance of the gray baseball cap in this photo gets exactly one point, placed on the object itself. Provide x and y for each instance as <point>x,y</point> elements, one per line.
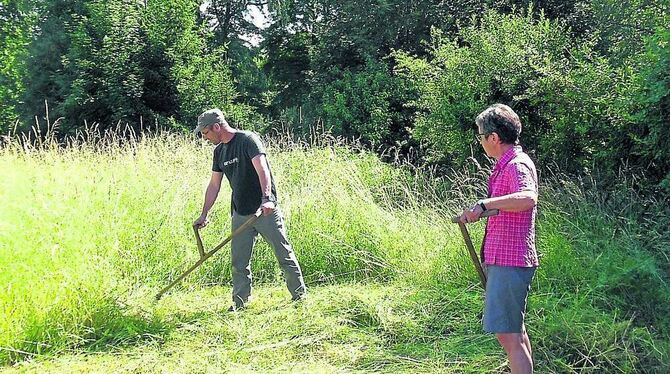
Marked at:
<point>209,117</point>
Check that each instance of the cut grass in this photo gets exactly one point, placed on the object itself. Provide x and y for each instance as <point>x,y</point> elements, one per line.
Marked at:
<point>350,327</point>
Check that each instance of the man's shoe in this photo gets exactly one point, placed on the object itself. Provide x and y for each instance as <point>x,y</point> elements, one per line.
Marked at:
<point>299,298</point>
<point>236,308</point>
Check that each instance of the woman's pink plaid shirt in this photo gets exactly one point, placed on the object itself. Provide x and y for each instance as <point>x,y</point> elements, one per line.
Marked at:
<point>510,236</point>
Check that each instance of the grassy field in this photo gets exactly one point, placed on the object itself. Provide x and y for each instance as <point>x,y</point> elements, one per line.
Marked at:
<point>90,232</point>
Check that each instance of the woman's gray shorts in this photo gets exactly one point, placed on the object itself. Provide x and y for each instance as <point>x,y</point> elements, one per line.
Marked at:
<point>506,294</point>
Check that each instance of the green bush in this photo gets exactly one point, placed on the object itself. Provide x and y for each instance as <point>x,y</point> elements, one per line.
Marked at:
<point>572,101</point>
<point>655,101</point>
<point>365,104</point>
<point>499,59</point>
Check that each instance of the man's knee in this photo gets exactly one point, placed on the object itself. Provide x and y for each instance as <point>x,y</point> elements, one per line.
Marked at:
<point>241,268</point>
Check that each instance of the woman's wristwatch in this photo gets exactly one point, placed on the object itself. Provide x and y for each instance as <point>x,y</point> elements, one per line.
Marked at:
<point>481,205</point>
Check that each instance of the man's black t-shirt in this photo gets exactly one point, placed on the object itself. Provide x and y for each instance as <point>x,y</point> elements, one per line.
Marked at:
<point>234,160</point>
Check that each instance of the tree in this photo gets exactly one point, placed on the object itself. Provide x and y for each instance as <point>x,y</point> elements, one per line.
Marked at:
<point>47,78</point>
<point>107,52</point>
<point>288,65</point>
<point>16,22</point>
<point>655,113</point>
<point>119,61</point>
<point>509,59</point>
<point>620,27</point>
<point>227,20</point>
<point>319,50</point>
<point>367,104</point>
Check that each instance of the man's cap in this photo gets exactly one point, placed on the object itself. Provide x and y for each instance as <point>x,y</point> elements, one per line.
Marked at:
<point>209,117</point>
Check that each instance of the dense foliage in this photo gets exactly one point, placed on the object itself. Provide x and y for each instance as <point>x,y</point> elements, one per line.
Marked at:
<point>589,77</point>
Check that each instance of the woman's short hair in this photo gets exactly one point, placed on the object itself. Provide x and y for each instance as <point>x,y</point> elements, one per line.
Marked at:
<point>502,120</point>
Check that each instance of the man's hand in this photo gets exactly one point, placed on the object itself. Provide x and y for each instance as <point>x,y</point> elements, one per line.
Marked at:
<point>268,207</point>
<point>201,221</point>
<point>472,214</point>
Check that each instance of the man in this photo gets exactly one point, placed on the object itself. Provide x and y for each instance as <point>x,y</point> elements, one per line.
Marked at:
<point>240,155</point>
<point>509,243</point>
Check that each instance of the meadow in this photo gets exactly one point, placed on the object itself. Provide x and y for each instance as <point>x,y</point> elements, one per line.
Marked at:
<point>92,229</point>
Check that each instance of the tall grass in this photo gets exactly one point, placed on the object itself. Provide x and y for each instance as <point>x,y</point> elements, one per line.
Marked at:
<point>91,229</point>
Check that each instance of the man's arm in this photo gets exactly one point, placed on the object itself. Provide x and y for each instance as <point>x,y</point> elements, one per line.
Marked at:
<point>210,197</point>
<point>525,197</point>
<point>263,170</point>
<point>514,202</point>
